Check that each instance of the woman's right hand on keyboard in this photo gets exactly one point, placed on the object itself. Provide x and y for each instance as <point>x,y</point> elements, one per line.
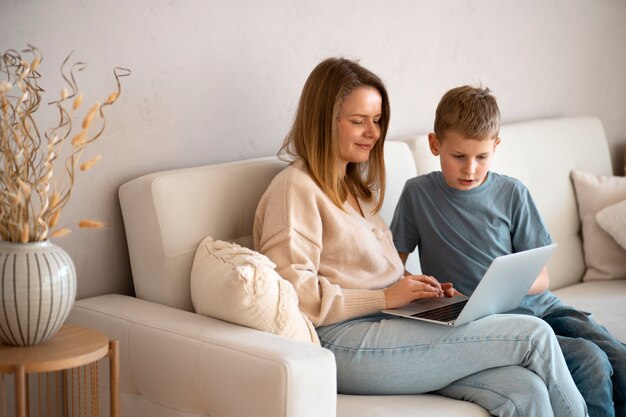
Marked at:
<point>413,287</point>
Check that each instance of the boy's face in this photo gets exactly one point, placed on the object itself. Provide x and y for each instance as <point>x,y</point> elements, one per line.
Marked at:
<point>465,162</point>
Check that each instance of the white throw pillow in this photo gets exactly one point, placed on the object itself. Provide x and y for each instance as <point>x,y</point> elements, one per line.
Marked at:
<point>236,284</point>
<point>603,256</point>
<point>613,220</point>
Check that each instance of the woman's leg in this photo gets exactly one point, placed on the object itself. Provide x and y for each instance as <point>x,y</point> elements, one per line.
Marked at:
<point>387,355</point>
<point>508,391</point>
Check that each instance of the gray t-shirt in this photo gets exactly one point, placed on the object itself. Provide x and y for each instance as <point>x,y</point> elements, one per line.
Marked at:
<point>460,232</point>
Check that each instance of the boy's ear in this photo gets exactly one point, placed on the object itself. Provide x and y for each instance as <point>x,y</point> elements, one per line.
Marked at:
<point>496,143</point>
<point>433,143</point>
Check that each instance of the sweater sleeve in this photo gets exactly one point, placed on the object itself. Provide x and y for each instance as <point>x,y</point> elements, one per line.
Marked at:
<point>289,227</point>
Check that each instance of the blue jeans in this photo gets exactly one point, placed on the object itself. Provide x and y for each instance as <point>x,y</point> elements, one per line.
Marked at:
<point>382,354</point>
<point>596,359</point>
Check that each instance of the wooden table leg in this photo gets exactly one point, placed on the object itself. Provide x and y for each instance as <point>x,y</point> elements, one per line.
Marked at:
<point>20,391</point>
<point>114,377</point>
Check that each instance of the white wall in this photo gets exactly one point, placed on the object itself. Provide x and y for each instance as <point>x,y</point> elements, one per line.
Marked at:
<point>218,80</point>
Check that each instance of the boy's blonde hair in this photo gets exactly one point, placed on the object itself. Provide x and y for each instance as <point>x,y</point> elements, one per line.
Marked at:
<point>314,136</point>
<point>471,111</point>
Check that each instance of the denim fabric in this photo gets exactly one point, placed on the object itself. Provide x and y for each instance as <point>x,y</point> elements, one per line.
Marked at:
<point>596,359</point>
<point>508,391</point>
<point>382,354</point>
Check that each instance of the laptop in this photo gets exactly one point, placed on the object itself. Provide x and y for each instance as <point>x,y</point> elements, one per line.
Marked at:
<point>501,289</point>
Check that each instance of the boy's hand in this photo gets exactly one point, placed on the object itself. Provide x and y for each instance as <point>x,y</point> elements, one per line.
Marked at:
<point>413,287</point>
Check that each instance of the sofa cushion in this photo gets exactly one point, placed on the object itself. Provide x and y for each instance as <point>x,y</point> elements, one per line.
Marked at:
<point>612,219</point>
<point>604,257</point>
<point>604,299</point>
<point>424,405</point>
<point>239,285</point>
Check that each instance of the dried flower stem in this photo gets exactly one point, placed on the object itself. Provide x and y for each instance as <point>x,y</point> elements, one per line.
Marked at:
<point>31,195</point>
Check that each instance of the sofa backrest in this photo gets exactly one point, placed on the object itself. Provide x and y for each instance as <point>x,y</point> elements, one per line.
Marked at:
<point>542,153</point>
<point>167,214</point>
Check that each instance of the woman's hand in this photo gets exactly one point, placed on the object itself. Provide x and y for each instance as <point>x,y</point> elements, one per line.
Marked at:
<point>412,287</point>
<point>449,290</point>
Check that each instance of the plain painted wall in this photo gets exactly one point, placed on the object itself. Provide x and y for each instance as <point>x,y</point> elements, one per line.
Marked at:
<point>218,80</point>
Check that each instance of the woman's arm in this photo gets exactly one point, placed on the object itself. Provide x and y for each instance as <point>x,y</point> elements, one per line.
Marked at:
<point>324,301</point>
<point>336,262</point>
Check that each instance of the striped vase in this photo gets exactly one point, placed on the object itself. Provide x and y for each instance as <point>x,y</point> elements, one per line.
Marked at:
<point>37,291</point>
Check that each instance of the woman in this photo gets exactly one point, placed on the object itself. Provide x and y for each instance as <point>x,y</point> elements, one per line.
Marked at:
<point>318,221</point>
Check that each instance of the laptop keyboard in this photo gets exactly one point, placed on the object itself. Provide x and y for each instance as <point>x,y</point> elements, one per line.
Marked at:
<point>446,313</point>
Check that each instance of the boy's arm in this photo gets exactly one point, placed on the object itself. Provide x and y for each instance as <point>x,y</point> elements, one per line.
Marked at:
<point>541,283</point>
<point>403,257</point>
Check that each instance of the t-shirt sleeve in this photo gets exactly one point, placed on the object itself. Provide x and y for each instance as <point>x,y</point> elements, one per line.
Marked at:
<point>528,229</point>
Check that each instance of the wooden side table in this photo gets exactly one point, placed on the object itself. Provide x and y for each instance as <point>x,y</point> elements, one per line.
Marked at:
<point>70,350</point>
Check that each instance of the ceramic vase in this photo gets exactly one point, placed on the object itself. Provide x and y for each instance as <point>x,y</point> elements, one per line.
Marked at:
<point>37,291</point>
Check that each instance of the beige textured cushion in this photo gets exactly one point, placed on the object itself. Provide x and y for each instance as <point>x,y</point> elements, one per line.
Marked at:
<point>239,285</point>
<point>604,257</point>
<point>613,220</point>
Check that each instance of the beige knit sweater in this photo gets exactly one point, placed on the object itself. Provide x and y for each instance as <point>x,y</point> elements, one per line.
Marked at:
<point>338,261</point>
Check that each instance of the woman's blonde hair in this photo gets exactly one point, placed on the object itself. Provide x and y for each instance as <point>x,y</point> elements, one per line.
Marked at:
<point>314,136</point>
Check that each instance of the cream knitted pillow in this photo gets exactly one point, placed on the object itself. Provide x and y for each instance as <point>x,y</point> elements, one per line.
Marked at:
<point>236,284</point>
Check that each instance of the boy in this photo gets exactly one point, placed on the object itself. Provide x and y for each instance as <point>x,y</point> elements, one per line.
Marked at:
<point>463,216</point>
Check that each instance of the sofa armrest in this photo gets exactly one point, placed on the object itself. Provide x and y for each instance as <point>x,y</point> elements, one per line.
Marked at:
<point>196,364</point>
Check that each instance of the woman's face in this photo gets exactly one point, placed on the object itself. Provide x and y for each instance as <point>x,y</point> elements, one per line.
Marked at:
<point>359,124</point>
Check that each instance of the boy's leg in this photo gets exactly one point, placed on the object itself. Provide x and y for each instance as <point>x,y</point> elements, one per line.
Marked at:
<point>508,391</point>
<point>591,371</point>
<point>387,355</point>
<point>570,322</point>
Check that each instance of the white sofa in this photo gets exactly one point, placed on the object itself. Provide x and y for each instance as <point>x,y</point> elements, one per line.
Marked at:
<point>177,363</point>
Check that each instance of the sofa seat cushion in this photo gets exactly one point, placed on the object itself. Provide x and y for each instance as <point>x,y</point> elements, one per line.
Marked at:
<point>236,284</point>
<point>424,405</point>
<point>604,299</point>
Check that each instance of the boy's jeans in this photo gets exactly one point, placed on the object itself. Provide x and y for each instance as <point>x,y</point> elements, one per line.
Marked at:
<point>487,362</point>
<point>597,361</point>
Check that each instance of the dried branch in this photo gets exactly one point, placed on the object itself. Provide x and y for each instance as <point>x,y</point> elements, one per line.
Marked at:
<point>37,174</point>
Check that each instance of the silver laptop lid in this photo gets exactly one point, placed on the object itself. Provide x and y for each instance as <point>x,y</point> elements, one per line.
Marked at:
<point>505,283</point>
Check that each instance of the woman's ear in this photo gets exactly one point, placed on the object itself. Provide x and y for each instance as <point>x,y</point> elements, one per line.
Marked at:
<point>433,143</point>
